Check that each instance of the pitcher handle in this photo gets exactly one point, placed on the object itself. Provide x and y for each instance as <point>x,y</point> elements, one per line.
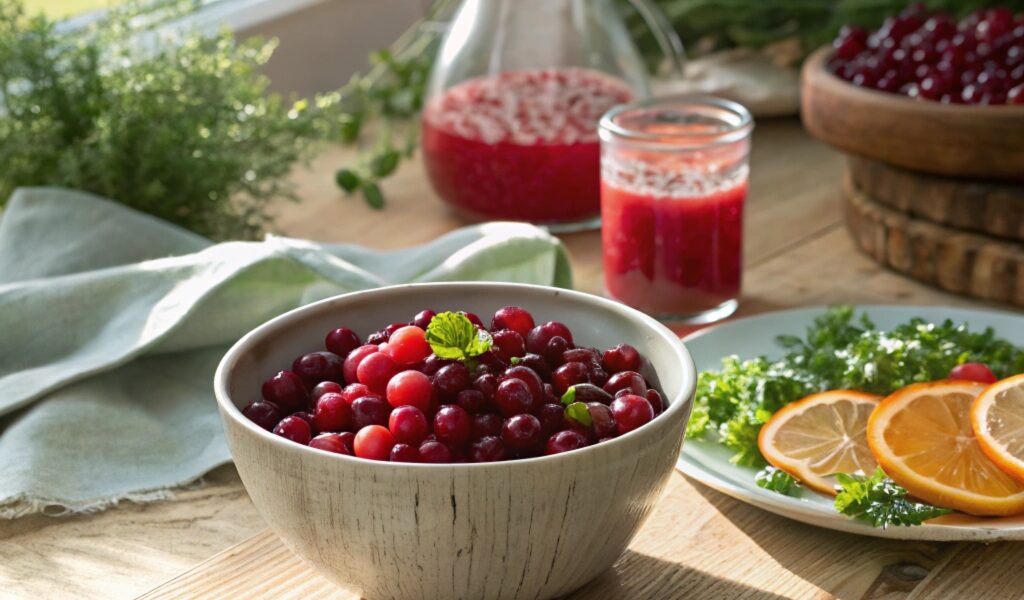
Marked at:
<point>664,34</point>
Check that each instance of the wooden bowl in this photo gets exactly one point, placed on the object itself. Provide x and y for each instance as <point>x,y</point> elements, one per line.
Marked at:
<point>534,528</point>
<point>945,139</point>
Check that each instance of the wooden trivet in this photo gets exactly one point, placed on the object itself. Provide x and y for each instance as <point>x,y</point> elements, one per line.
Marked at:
<point>958,261</point>
<point>987,206</point>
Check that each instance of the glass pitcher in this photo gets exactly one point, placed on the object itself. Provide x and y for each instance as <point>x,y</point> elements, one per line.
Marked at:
<point>514,99</point>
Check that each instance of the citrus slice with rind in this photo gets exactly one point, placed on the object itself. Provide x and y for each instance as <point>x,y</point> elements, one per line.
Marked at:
<point>997,417</point>
<point>921,435</point>
<point>820,435</point>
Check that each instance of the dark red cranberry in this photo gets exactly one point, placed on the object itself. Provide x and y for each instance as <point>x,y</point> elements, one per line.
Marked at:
<point>453,425</point>
<point>631,411</point>
<point>515,318</point>
<point>851,42</point>
<point>621,358</point>
<point>475,320</point>
<point>486,449</point>
<point>538,337</point>
<point>404,453</point>
<point>587,356</point>
<point>408,425</point>
<point>549,394</point>
<point>564,441</point>
<point>552,418</point>
<point>521,432</point>
<point>423,318</point>
<point>569,375</point>
<point>513,397</point>
<point>433,363</point>
<point>432,451</point>
<point>630,380</point>
<point>330,442</point>
<point>537,363</point>
<point>351,365</point>
<point>486,384</point>
<point>598,376</point>
<point>556,349</point>
<point>332,413</point>
<point>473,401</point>
<point>315,367</point>
<point>450,380</point>
<point>377,338</point>
<point>324,387</point>
<point>295,429</point>
<point>657,404</point>
<point>349,439</point>
<point>342,341</point>
<point>286,390</point>
<point>485,425</point>
<point>490,362</point>
<point>369,410</point>
<point>508,344</point>
<point>263,414</point>
<point>529,377</point>
<point>602,423</point>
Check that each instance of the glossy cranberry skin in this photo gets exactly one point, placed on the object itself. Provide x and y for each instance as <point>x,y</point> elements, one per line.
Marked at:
<point>315,367</point>
<point>555,351</point>
<point>408,424</point>
<point>408,345</point>
<point>538,337</point>
<point>598,376</point>
<point>405,453</point>
<point>621,358</point>
<point>521,432</point>
<point>342,341</point>
<point>530,378</point>
<point>410,388</point>
<point>513,397</point>
<point>330,442</point>
<point>332,413</point>
<point>450,380</point>
<point>474,319</point>
<point>354,390</point>
<point>515,318</point>
<point>508,344</point>
<point>374,442</point>
<point>485,425</point>
<point>351,365</point>
<point>631,411</point>
<point>602,423</point>
<point>565,441</point>
<point>486,384</point>
<point>453,425</point>
<point>423,319</point>
<point>549,394</point>
<point>432,451</point>
<point>472,401</point>
<point>588,392</point>
<point>587,356</point>
<point>569,375</point>
<point>369,410</point>
<point>286,390</point>
<point>433,363</point>
<point>973,371</point>
<point>295,429</point>
<point>264,414</point>
<point>349,439</point>
<point>486,449</point>
<point>657,403</point>
<point>324,387</point>
<point>307,416</point>
<point>630,380</point>
<point>536,362</point>
<point>552,418</point>
<point>375,371</point>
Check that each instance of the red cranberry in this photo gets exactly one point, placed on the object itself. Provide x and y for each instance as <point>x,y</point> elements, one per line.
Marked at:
<point>295,429</point>
<point>529,377</point>
<point>324,387</point>
<point>515,318</point>
<point>472,401</point>
<point>423,319</point>
<point>851,42</point>
<point>538,337</point>
<point>450,380</point>
<point>351,365</point>
<point>631,411</point>
<point>569,375</point>
<point>410,388</point>
<point>369,410</point>
<point>332,413</point>
<point>433,364</point>
<point>538,364</point>
<point>630,380</point>
<point>552,418</point>
<point>486,384</point>
<point>307,416</point>
<point>621,358</point>
<point>353,391</point>
<point>375,371</point>
<point>315,367</point>
<point>342,341</point>
<point>657,404</point>
<point>587,356</point>
<point>330,442</point>
<point>374,442</point>
<point>475,320</point>
<point>973,371</point>
<point>263,414</point>
<point>485,425</point>
<point>349,439</point>
<point>405,453</point>
<point>564,441</point>
<point>286,390</point>
<point>601,420</point>
<point>508,344</point>
<point>453,425</point>
<point>486,449</point>
<point>555,351</point>
<point>432,451</point>
<point>513,397</point>
<point>550,395</point>
<point>377,338</point>
<point>521,432</point>
<point>408,345</point>
<point>408,425</point>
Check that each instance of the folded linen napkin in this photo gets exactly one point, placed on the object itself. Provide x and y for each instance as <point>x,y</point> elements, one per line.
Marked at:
<point>112,323</point>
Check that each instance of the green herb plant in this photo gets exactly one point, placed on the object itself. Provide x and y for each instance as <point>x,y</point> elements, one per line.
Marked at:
<point>777,480</point>
<point>879,501</point>
<point>452,335</point>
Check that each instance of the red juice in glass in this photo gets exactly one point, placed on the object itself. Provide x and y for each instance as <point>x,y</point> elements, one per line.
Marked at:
<point>673,186</point>
<point>521,145</point>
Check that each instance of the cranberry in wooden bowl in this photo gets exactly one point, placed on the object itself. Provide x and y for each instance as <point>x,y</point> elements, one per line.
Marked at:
<point>393,528</point>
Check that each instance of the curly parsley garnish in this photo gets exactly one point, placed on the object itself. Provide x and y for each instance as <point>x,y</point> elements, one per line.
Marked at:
<point>880,501</point>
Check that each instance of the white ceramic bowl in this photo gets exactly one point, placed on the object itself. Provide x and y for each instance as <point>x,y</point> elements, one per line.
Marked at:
<point>534,528</point>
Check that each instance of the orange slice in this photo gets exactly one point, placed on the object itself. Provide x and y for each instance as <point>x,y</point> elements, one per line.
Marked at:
<point>820,435</point>
<point>997,417</point>
<point>921,435</point>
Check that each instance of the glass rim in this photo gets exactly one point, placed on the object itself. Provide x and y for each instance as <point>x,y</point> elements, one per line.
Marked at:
<point>733,133</point>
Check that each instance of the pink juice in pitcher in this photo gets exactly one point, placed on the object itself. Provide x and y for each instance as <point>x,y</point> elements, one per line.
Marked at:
<point>521,145</point>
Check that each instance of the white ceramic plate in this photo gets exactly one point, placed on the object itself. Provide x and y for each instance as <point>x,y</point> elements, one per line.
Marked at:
<point>755,336</point>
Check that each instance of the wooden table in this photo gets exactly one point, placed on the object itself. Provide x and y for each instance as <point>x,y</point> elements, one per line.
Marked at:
<point>698,543</point>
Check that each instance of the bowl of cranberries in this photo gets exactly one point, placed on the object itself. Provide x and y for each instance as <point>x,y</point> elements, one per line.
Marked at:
<point>926,91</point>
<point>470,440</point>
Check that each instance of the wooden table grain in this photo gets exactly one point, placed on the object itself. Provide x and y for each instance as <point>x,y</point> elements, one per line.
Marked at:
<point>210,541</point>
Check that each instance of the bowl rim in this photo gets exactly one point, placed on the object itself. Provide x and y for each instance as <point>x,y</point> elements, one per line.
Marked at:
<point>231,358</point>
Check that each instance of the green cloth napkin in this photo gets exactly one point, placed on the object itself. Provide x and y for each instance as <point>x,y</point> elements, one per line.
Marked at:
<point>112,323</point>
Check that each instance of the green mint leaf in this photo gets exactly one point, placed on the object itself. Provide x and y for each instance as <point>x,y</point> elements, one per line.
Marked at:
<point>453,335</point>
<point>569,396</point>
<point>578,412</point>
<point>347,180</point>
<point>384,163</point>
<point>777,480</point>
<point>880,501</point>
<point>373,196</point>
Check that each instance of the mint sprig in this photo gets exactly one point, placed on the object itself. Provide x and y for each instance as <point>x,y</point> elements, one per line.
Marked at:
<point>880,501</point>
<point>453,335</point>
